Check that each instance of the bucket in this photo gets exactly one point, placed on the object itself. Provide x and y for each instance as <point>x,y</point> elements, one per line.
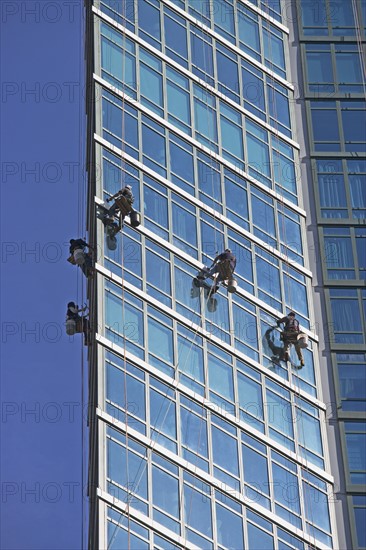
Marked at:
<point>111,242</point>
<point>211,305</point>
<point>79,256</point>
<point>232,285</point>
<point>135,218</point>
<point>70,327</point>
<point>302,340</point>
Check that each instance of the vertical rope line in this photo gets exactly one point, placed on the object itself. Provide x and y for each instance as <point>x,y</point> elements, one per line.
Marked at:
<point>281,194</point>
<point>359,45</point>
<point>81,224</point>
<point>122,181</point>
<point>123,168</point>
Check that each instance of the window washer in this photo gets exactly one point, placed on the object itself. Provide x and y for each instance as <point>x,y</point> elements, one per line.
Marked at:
<point>123,201</point>
<point>78,256</point>
<point>290,336</point>
<point>222,269</point>
<point>122,207</point>
<point>76,323</point>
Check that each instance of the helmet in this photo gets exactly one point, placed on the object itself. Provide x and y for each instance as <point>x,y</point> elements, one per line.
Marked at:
<point>129,187</point>
<point>291,314</point>
<point>227,249</point>
<point>71,304</point>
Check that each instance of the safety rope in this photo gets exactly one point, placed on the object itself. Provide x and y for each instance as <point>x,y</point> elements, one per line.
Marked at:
<point>82,185</point>
<point>294,375</point>
<point>360,45</point>
<point>122,182</point>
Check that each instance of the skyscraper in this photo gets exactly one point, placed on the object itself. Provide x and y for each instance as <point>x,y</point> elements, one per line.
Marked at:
<point>201,437</point>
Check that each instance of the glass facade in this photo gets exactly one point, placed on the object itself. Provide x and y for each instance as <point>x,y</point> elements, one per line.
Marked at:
<point>332,42</point>
<point>198,438</point>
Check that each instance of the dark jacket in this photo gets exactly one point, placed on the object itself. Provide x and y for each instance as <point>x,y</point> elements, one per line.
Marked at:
<point>73,313</point>
<point>78,243</point>
<point>226,256</point>
<point>291,324</point>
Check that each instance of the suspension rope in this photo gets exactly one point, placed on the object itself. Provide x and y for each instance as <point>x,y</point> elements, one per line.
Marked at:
<point>81,191</point>
<point>294,375</point>
<point>122,182</point>
<point>360,45</point>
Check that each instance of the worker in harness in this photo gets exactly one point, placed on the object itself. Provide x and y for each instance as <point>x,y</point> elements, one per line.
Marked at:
<point>222,269</point>
<point>76,323</point>
<point>290,336</point>
<point>122,197</point>
<point>78,256</point>
<point>225,259</point>
<point>121,208</point>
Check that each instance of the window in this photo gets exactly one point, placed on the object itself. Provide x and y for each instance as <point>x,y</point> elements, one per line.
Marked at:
<point>286,489</point>
<point>263,216</point>
<point>162,414</point>
<point>122,12</point>
<point>153,146</point>
<point>274,56</point>
<point>327,17</point>
<point>352,380</point>
<point>125,379</point>
<point>165,496</point>
<point>331,186</point>
<point>151,82</point>
<point>257,537</point>
<point>118,60</point>
<point>348,67</point>
<point>279,414</point>
<point>177,89</point>
<point>202,55</point>
<point>225,457</point>
<point>205,118</point>
<point>149,22</point>
<point>253,90</point>
<point>175,37</point>
<point>231,135</point>
<point>194,433</point>
<point>319,66</point>
<point>338,253</point>
<point>325,126</point>
<point>224,19</point>
<point>309,435</point>
<point>227,72</point>
<point>355,433</point>
<point>155,207</point>
<point>354,124</point>
<point>359,509</point>
<point>279,109</point>
<point>255,472</point>
<point>346,316</point>
<point>258,152</point>
<point>124,323</point>
<point>160,341</point>
<point>249,32</point>
<point>357,180</point>
<point>327,130</point>
<point>250,397</point>
<point>316,508</point>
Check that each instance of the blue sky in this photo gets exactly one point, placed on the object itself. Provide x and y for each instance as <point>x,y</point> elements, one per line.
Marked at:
<point>42,105</point>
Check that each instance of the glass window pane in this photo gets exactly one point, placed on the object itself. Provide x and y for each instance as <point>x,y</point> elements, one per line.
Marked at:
<point>259,539</point>
<point>160,340</point>
<point>229,528</point>
<point>197,510</point>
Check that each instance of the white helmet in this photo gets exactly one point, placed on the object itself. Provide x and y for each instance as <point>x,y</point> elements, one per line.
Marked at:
<point>129,187</point>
